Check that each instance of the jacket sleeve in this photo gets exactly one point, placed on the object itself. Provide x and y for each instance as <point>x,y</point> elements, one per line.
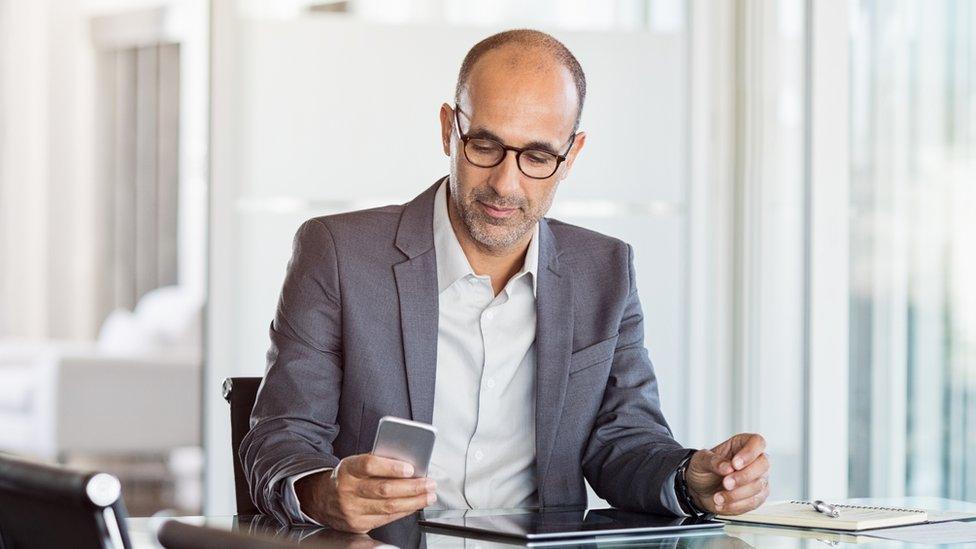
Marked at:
<point>293,424</point>
<point>631,453</point>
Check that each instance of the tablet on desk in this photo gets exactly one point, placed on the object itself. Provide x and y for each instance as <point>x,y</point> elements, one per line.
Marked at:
<point>563,524</point>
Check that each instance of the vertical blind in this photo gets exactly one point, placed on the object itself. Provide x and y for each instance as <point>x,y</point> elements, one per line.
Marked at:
<point>138,95</point>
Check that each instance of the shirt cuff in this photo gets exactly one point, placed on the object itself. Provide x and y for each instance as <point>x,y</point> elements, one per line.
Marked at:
<point>292,505</point>
<point>669,497</point>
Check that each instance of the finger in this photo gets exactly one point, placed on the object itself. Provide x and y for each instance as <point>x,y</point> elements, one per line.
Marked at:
<point>395,506</point>
<point>726,498</point>
<point>752,447</point>
<point>747,504</point>
<point>716,464</point>
<point>375,488</point>
<point>753,471</point>
<point>368,465</point>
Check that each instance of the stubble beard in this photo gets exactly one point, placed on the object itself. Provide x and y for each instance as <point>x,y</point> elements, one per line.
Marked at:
<point>483,228</point>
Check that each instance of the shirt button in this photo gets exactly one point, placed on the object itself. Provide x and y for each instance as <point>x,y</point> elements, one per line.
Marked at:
<point>489,315</point>
<point>490,383</point>
<point>479,455</point>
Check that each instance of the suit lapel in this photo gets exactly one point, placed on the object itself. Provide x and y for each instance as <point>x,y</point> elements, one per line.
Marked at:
<point>554,340</point>
<point>416,282</point>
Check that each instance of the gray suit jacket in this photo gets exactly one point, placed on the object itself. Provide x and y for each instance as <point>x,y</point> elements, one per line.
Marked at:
<point>354,338</point>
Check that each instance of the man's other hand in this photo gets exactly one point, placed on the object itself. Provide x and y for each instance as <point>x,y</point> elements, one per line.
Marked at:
<point>731,478</point>
<point>364,492</point>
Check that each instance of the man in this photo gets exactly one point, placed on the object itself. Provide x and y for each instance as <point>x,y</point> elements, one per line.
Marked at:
<point>520,338</point>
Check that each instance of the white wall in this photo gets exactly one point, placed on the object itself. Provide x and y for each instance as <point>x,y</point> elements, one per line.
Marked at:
<point>297,106</point>
<point>24,51</point>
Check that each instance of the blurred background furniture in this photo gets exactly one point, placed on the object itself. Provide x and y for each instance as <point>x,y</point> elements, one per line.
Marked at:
<point>129,402</point>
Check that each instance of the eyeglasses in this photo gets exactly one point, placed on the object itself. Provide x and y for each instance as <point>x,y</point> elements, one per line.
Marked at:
<point>488,153</point>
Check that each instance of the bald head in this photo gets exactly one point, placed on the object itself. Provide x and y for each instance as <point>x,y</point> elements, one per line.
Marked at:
<point>524,50</point>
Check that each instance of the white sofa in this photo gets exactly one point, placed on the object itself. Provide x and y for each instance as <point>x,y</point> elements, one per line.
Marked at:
<point>134,391</point>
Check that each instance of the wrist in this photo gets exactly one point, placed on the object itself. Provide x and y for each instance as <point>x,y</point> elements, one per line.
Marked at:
<point>687,497</point>
<point>312,490</point>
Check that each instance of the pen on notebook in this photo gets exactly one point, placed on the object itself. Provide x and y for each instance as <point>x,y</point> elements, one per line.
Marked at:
<point>826,508</point>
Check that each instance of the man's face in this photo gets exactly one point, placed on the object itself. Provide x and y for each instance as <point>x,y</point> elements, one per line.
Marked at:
<point>521,100</point>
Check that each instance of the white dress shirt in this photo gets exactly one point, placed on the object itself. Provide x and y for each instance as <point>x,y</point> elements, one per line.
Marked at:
<point>484,392</point>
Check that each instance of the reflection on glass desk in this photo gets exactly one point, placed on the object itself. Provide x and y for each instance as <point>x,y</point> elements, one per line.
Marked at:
<point>551,526</point>
<point>406,533</point>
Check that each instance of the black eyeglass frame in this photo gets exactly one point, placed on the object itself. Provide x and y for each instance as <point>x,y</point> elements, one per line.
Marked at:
<point>560,158</point>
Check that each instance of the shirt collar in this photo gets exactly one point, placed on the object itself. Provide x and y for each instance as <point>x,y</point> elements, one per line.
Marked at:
<point>452,264</point>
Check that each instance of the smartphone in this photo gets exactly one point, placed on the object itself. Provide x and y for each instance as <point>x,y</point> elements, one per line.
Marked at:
<point>405,440</point>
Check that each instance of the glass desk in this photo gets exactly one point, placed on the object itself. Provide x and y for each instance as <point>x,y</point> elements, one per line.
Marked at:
<point>406,534</point>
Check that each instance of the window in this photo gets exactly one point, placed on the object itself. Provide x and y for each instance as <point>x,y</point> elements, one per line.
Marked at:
<point>768,251</point>
<point>912,238</point>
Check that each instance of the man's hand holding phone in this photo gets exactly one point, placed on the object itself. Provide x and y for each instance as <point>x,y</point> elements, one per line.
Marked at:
<point>364,492</point>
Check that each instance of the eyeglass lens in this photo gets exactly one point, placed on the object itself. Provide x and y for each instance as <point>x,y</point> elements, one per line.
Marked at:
<point>486,153</point>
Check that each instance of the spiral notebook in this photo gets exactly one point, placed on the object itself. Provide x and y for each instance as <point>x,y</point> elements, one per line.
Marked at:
<point>853,518</point>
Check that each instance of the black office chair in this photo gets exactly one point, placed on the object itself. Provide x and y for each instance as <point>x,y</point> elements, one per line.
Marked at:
<point>240,393</point>
<point>47,506</point>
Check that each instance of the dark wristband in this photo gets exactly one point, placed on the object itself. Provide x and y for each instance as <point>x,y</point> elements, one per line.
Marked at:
<point>681,489</point>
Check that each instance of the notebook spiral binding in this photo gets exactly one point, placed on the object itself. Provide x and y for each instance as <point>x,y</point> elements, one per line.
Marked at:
<point>875,508</point>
